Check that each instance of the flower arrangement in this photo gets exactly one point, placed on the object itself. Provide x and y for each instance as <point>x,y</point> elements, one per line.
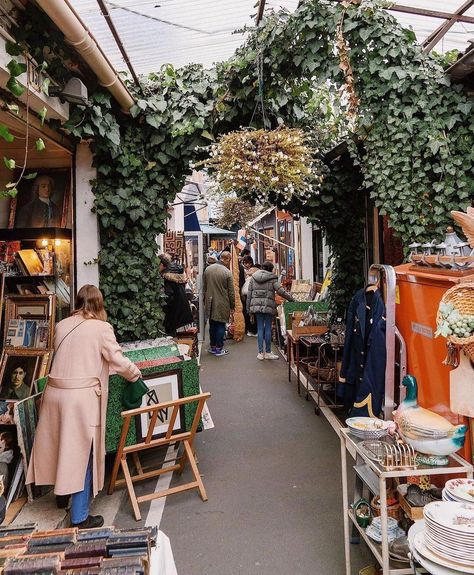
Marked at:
<point>268,166</point>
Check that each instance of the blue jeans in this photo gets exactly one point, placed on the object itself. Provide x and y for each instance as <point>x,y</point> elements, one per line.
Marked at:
<point>264,331</point>
<point>80,501</point>
<point>216,334</point>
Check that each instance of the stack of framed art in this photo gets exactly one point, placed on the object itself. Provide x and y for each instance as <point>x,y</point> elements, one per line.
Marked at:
<point>26,356</point>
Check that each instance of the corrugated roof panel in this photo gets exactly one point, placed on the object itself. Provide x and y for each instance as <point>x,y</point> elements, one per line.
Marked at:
<point>157,32</point>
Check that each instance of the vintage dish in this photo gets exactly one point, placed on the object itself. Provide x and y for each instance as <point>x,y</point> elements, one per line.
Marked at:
<point>426,431</point>
<point>453,516</point>
<point>362,512</point>
<point>391,535</point>
<point>460,489</point>
<point>367,427</point>
<point>420,546</point>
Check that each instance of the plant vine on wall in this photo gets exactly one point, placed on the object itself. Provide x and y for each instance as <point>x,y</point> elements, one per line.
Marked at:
<point>415,131</point>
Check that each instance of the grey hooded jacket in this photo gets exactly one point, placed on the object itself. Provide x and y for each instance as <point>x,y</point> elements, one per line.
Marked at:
<point>261,293</point>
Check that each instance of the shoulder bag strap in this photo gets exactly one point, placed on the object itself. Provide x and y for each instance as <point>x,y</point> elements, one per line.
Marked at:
<point>56,350</point>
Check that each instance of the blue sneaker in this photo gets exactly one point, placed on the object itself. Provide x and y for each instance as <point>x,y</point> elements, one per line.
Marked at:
<point>220,352</point>
<point>211,350</point>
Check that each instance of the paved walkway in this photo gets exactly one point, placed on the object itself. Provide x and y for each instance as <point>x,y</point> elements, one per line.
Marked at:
<point>272,473</point>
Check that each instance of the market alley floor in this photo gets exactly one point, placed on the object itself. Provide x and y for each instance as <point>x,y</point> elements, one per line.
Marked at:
<point>271,469</point>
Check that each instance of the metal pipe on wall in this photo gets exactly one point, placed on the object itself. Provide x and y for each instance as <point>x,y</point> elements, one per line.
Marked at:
<point>76,33</point>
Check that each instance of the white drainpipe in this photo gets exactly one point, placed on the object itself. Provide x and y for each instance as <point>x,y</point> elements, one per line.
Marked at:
<point>76,33</point>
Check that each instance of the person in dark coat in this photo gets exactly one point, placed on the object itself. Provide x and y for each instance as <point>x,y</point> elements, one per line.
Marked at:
<point>177,309</point>
<point>365,355</point>
<point>219,298</point>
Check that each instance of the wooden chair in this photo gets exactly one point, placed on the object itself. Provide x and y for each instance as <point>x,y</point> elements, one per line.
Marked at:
<point>171,436</point>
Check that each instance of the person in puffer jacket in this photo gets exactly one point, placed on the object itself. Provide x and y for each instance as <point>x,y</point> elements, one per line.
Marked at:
<point>261,302</point>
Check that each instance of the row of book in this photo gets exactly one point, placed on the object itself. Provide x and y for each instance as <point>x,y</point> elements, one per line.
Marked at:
<point>103,551</point>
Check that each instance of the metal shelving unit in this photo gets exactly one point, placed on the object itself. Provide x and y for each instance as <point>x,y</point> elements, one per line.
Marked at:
<point>374,477</point>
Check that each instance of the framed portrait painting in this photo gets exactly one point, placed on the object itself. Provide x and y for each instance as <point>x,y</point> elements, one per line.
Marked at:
<point>43,200</point>
<point>18,371</point>
<point>162,387</point>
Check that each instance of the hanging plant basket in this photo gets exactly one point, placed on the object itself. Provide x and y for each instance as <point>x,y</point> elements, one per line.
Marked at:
<point>274,166</point>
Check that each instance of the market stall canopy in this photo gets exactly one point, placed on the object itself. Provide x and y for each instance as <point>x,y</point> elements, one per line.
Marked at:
<point>180,32</point>
<point>215,231</point>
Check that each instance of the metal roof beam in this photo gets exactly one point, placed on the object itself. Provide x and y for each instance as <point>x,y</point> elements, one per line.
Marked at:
<point>261,10</point>
<point>105,13</point>
<point>425,12</point>
<point>439,33</point>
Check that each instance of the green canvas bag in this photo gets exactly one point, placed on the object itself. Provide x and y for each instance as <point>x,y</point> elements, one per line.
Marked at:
<point>133,393</point>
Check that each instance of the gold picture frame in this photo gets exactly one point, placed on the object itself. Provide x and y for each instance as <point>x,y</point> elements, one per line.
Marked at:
<point>32,261</point>
<point>33,307</point>
<point>19,369</point>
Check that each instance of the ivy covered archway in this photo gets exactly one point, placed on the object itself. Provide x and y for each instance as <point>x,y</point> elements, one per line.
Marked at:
<point>414,131</point>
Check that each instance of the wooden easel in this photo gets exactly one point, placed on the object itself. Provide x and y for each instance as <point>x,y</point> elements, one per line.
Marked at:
<point>186,438</point>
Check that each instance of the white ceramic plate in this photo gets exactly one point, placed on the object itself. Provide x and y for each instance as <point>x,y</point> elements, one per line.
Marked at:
<point>447,550</point>
<point>461,489</point>
<point>421,547</point>
<point>377,536</point>
<point>454,536</point>
<point>451,515</point>
<point>431,567</point>
<point>367,424</point>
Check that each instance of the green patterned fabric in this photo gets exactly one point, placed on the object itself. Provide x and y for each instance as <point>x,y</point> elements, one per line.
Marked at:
<point>291,306</point>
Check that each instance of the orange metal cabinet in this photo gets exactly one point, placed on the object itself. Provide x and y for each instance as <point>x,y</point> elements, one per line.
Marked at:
<point>418,297</point>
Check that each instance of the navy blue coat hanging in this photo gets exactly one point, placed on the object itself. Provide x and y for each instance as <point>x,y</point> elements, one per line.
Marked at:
<point>365,356</point>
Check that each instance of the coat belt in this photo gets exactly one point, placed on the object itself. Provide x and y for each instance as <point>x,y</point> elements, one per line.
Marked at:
<point>73,382</point>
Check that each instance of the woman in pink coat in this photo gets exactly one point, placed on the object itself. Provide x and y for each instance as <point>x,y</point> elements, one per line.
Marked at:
<point>69,445</point>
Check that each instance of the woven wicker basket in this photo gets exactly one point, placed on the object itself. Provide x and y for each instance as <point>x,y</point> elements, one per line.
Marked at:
<point>394,510</point>
<point>326,373</point>
<point>462,297</point>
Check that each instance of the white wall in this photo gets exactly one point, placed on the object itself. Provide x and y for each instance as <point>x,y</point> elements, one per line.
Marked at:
<point>87,229</point>
<point>306,235</point>
<point>176,222</point>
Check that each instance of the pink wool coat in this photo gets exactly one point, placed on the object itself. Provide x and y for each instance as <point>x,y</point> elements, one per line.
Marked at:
<point>72,415</point>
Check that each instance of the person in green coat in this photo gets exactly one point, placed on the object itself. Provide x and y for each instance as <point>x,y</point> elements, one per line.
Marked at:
<point>219,297</point>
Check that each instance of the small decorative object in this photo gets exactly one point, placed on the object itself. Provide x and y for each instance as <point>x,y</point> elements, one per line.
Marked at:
<point>393,507</point>
<point>426,431</point>
<point>466,221</point>
<point>423,481</point>
<point>454,244</point>
<point>455,320</point>
<point>374,530</point>
<point>266,165</point>
<point>362,512</point>
<point>433,460</point>
<point>367,427</point>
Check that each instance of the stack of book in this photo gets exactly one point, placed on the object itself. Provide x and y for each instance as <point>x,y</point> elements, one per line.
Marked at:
<point>104,551</point>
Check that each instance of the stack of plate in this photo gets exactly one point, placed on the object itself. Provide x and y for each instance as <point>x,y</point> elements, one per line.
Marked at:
<point>460,490</point>
<point>367,427</point>
<point>374,530</point>
<point>448,537</point>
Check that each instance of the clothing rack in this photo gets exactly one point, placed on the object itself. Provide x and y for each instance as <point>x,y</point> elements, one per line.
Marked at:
<point>384,276</point>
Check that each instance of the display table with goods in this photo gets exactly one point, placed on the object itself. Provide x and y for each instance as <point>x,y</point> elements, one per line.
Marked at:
<point>103,551</point>
<point>321,366</point>
<point>375,468</point>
